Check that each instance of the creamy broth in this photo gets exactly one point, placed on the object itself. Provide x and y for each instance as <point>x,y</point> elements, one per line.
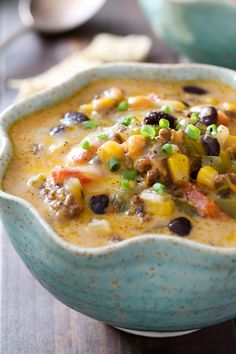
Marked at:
<point>134,196</point>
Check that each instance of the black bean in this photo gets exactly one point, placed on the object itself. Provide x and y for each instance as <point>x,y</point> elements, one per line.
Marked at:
<point>99,203</point>
<point>56,130</point>
<point>74,118</point>
<point>154,117</point>
<point>194,168</point>
<point>180,226</point>
<point>195,90</point>
<point>207,114</point>
<point>211,145</point>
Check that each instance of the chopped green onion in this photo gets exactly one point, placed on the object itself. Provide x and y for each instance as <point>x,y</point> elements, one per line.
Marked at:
<point>90,124</point>
<point>123,106</point>
<point>129,174</point>
<point>114,164</point>
<point>211,129</point>
<point>102,136</point>
<point>147,131</point>
<point>159,188</point>
<point>166,109</point>
<point>124,184</point>
<point>85,144</point>
<point>126,120</point>
<point>164,123</point>
<point>178,126</point>
<point>194,117</point>
<point>193,132</point>
<point>168,148</point>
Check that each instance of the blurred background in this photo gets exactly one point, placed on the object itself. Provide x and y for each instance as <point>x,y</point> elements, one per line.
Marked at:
<point>32,321</point>
<point>33,53</point>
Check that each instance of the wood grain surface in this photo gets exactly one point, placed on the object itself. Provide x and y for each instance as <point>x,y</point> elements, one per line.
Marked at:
<point>33,321</point>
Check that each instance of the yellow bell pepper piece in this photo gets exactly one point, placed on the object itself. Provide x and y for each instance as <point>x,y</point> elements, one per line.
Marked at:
<point>110,149</point>
<point>206,177</point>
<point>179,168</point>
<point>158,204</point>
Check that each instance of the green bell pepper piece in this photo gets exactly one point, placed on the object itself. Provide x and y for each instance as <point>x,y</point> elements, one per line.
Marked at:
<point>227,205</point>
<point>215,162</point>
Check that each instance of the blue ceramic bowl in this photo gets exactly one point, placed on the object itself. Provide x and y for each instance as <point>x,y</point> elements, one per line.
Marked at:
<point>152,283</point>
<point>204,30</point>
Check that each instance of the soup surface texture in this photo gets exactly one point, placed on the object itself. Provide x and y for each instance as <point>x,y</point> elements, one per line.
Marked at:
<point>124,157</point>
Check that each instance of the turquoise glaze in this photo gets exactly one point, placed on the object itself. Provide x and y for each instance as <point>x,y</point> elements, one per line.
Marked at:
<point>152,283</point>
<point>204,30</point>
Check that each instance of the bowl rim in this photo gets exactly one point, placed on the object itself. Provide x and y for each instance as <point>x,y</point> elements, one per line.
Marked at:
<point>5,145</point>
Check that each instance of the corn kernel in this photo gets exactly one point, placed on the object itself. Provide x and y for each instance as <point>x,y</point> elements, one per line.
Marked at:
<point>212,100</point>
<point>115,93</point>
<point>179,168</point>
<point>86,108</point>
<point>229,106</point>
<point>174,105</point>
<point>134,146</point>
<point>110,149</point>
<point>103,104</point>
<point>156,204</point>
<point>74,186</point>
<point>206,177</point>
<point>36,181</point>
<point>137,102</point>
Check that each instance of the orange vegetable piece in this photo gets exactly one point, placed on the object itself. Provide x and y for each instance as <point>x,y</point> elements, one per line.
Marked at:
<point>205,206</point>
<point>86,174</point>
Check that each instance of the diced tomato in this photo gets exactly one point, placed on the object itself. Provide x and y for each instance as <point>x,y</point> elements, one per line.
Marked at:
<point>205,206</point>
<point>78,155</point>
<point>86,174</point>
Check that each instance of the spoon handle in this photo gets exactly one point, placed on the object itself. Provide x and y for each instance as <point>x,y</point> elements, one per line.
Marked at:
<point>10,38</point>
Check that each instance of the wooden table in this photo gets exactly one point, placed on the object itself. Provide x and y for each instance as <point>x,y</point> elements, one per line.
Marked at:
<point>32,321</point>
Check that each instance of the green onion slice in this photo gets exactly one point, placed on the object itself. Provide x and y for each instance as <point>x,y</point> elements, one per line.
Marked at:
<point>164,123</point>
<point>129,174</point>
<point>194,117</point>
<point>124,184</point>
<point>90,124</point>
<point>192,131</point>
<point>211,130</point>
<point>85,144</point>
<point>147,131</point>
<point>102,136</point>
<point>126,120</point>
<point>123,106</point>
<point>168,148</point>
<point>159,188</point>
<point>166,109</point>
<point>114,164</point>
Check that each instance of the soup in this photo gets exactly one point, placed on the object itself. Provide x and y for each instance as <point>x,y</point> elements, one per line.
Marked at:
<point>125,157</point>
